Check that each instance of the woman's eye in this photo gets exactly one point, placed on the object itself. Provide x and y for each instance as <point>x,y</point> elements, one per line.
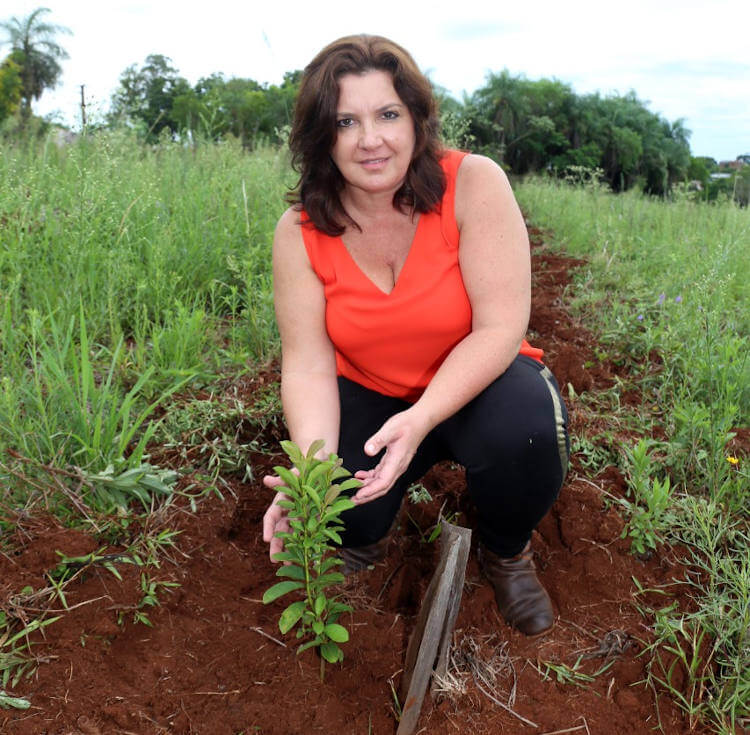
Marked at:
<point>344,122</point>
<point>390,114</point>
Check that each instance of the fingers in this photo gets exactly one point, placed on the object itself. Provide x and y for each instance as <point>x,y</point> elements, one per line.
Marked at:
<point>378,440</point>
<point>276,545</point>
<point>370,492</point>
<point>274,521</point>
<point>272,481</point>
<point>378,481</point>
<point>372,447</point>
<point>270,519</point>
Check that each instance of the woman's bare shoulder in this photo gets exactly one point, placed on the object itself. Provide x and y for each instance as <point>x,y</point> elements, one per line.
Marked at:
<point>290,220</point>
<point>481,181</point>
<point>288,233</point>
<point>477,168</point>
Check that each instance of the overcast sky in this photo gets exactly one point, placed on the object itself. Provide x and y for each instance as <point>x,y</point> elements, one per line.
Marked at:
<point>686,59</point>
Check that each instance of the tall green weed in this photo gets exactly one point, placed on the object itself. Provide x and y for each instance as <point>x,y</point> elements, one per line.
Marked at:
<point>126,271</point>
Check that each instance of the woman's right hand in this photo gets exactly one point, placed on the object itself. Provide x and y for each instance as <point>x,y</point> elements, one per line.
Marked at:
<point>275,519</point>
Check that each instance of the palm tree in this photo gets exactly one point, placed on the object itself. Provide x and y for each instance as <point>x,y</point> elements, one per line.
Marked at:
<point>37,53</point>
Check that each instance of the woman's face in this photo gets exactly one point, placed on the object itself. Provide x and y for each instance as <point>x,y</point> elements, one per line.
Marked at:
<point>375,133</point>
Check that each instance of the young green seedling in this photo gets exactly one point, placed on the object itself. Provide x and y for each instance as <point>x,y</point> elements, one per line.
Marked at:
<point>314,507</point>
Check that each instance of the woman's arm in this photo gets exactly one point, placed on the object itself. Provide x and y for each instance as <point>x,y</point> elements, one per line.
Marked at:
<point>309,391</point>
<point>495,266</point>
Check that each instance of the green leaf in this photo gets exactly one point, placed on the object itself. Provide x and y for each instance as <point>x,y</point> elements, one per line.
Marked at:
<point>318,627</point>
<point>291,571</point>
<point>340,506</point>
<point>291,480</point>
<point>350,484</point>
<point>329,563</point>
<point>337,608</point>
<point>337,632</point>
<point>287,556</point>
<point>331,494</point>
<point>339,472</point>
<point>331,653</point>
<point>279,589</point>
<point>331,578</point>
<point>17,702</point>
<point>320,605</point>
<point>312,494</point>
<point>315,447</point>
<point>32,626</point>
<point>331,534</point>
<point>291,615</point>
<point>112,570</point>
<point>316,473</point>
<point>293,452</point>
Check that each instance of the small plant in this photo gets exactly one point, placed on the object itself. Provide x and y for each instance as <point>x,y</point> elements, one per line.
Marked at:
<point>314,509</point>
<point>650,511</point>
<point>17,702</point>
<point>71,567</point>
<point>15,662</point>
<point>114,489</point>
<point>565,674</point>
<point>149,598</point>
<point>417,494</point>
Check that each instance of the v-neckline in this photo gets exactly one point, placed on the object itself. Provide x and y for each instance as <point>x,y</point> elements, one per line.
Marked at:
<point>398,280</point>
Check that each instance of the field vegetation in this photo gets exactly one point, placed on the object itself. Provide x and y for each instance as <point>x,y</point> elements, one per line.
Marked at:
<point>665,286</point>
<point>134,278</point>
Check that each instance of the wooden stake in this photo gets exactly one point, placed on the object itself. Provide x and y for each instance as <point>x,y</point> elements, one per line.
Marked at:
<point>432,635</point>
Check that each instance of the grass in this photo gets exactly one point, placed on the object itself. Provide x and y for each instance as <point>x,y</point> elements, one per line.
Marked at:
<point>133,278</point>
<point>126,274</point>
<point>665,288</point>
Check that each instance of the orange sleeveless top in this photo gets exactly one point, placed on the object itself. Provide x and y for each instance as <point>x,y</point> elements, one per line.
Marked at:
<point>394,343</point>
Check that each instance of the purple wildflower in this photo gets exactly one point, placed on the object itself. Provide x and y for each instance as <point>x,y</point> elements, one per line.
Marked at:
<point>661,298</point>
<point>678,299</point>
<point>640,317</point>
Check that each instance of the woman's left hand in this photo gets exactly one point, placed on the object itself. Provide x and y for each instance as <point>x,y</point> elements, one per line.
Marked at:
<point>400,436</point>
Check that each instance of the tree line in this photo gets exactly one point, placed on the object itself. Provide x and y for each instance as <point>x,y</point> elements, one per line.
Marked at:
<point>155,98</point>
<point>529,126</point>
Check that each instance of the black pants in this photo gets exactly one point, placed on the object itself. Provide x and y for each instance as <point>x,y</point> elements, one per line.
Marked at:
<point>512,440</point>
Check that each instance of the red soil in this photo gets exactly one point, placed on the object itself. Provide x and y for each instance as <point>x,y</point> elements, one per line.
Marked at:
<point>208,665</point>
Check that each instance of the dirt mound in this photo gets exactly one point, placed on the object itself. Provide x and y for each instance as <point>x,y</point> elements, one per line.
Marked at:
<point>213,661</point>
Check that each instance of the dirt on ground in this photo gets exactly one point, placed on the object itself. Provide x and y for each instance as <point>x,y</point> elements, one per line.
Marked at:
<point>214,663</point>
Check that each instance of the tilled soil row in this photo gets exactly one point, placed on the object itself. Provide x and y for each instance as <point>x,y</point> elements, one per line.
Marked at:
<point>214,662</point>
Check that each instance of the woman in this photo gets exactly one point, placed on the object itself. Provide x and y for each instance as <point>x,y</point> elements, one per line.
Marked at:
<point>402,292</point>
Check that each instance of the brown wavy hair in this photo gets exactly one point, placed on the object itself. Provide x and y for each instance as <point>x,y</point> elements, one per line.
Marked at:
<point>314,130</point>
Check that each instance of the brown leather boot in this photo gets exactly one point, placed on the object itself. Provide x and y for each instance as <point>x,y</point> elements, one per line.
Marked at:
<point>359,557</point>
<point>521,599</point>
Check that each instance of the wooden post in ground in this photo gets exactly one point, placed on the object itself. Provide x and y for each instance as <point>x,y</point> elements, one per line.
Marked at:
<point>431,638</point>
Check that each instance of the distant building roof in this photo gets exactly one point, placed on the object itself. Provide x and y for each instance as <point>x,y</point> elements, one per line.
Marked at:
<point>736,164</point>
